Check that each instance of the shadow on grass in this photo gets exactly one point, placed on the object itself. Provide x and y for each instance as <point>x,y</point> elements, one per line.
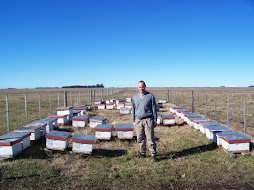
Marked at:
<point>187,152</point>
<point>100,153</point>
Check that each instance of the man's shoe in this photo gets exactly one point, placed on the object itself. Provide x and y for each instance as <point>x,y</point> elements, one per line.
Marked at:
<point>154,159</point>
<point>140,155</point>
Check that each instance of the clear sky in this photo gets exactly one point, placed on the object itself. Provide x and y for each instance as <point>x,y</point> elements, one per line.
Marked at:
<point>166,43</point>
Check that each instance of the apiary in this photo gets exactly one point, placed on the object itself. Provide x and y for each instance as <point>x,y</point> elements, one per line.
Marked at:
<point>211,131</point>
<point>83,143</point>
<point>235,143</point>
<point>110,106</point>
<point>94,121</point>
<point>179,112</point>
<point>57,140</point>
<point>101,106</point>
<point>48,122</point>
<point>218,139</point>
<point>128,105</point>
<point>172,109</point>
<point>10,147</point>
<point>103,131</point>
<point>202,126</point>
<point>65,111</point>
<point>34,130</point>
<point>25,138</point>
<point>120,105</point>
<point>159,119</point>
<point>76,113</point>
<point>168,119</point>
<point>124,131</point>
<point>79,121</point>
<point>128,99</point>
<point>163,100</point>
<point>61,119</point>
<point>124,110</point>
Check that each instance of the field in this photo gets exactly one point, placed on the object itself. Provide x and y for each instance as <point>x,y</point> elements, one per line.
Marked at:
<point>186,159</point>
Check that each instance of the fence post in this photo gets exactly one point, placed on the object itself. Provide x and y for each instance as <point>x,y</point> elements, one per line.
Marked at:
<point>26,109</point>
<point>228,111</point>
<point>7,113</point>
<point>65,99</point>
<point>50,107</point>
<point>186,100</point>
<point>205,105</point>
<point>91,94</point>
<point>101,93</point>
<point>192,102</point>
<point>198,104</point>
<point>215,112</point>
<point>58,100</point>
<point>245,117</point>
<point>39,97</point>
<point>94,95</point>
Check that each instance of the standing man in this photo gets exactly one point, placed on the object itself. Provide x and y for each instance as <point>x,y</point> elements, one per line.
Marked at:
<point>144,116</point>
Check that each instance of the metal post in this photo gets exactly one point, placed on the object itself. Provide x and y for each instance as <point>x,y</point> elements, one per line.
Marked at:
<point>65,99</point>
<point>192,102</point>
<point>7,114</point>
<point>50,103</point>
<point>205,105</point>
<point>39,97</point>
<point>215,111</point>
<point>245,117</point>
<point>198,104</point>
<point>228,112</point>
<point>26,109</point>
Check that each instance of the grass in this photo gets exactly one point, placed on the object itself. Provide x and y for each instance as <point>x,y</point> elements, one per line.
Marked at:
<point>187,160</point>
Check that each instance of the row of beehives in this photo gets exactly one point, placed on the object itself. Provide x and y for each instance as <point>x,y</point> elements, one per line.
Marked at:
<point>229,140</point>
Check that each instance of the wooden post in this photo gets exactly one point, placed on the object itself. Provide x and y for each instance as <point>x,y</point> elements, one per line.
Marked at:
<point>71,98</point>
<point>26,109</point>
<point>58,100</point>
<point>101,93</point>
<point>215,109</point>
<point>50,103</point>
<point>39,97</point>
<point>91,96</point>
<point>182,100</point>
<point>192,102</point>
<point>245,117</point>
<point>167,95</point>
<point>198,104</point>
<point>7,113</point>
<point>65,99</point>
<point>228,112</point>
<point>94,95</point>
<point>186,100</point>
<point>205,105</point>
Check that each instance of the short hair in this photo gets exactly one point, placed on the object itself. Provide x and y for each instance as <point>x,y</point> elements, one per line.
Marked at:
<point>141,81</point>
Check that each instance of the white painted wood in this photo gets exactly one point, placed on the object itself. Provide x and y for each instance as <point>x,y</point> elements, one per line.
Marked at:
<point>125,134</point>
<point>82,147</point>
<point>9,151</point>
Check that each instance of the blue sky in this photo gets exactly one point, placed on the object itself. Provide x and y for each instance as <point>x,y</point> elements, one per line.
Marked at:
<point>167,43</point>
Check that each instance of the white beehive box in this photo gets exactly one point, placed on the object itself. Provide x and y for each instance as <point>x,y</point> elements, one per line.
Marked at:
<point>128,99</point>
<point>107,101</point>
<point>94,121</point>
<point>101,106</point>
<point>179,112</point>
<point>202,126</point>
<point>172,109</point>
<point>218,139</point>
<point>25,138</point>
<point>57,140</point>
<point>66,111</point>
<point>163,101</point>
<point>128,105</point>
<point>83,143</point>
<point>61,119</point>
<point>119,100</point>
<point>211,131</point>
<point>88,107</point>
<point>189,118</point>
<point>120,105</point>
<point>159,119</point>
<point>49,123</point>
<point>124,131</point>
<point>196,121</point>
<point>110,106</point>
<point>55,123</point>
<point>98,101</point>
<point>168,119</point>
<point>76,113</point>
<point>124,110</point>
<point>103,131</point>
<point>10,147</point>
<point>235,143</point>
<point>41,125</point>
<point>34,130</point>
<point>79,121</point>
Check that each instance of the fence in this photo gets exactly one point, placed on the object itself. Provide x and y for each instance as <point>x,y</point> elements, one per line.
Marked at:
<point>17,109</point>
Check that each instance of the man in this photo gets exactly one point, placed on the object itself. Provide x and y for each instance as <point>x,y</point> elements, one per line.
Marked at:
<point>144,116</point>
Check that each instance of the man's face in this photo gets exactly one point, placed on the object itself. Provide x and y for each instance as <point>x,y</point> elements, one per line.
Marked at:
<point>141,87</point>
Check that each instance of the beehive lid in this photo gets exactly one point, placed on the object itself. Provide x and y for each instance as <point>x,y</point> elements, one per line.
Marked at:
<point>171,116</point>
<point>30,129</point>
<point>217,128</point>
<point>50,120</point>
<point>83,138</point>
<point>64,108</point>
<point>100,104</point>
<point>76,111</point>
<point>59,135</point>
<point>80,118</point>
<point>124,127</point>
<point>9,142</point>
<point>229,132</point>
<point>235,138</point>
<point>183,110</point>
<point>21,135</point>
<point>104,127</point>
<point>209,124</point>
<point>176,107</point>
<point>98,119</point>
<point>124,108</point>
<point>80,106</point>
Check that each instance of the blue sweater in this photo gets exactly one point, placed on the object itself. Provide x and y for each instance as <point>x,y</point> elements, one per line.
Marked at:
<point>145,107</point>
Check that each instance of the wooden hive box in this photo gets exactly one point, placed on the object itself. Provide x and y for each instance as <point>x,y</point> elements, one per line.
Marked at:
<point>107,101</point>
<point>182,115</point>
<point>76,113</point>
<point>49,123</point>
<point>10,147</point>
<point>98,101</point>
<point>235,143</point>
<point>120,105</point>
<point>119,100</point>
<point>103,131</point>
<point>163,101</point>
<point>83,143</point>
<point>57,140</point>
<point>218,139</point>
<point>211,131</point>
<point>128,99</point>
<point>188,115</point>
<point>79,121</point>
<point>41,125</point>
<point>81,109</point>
<point>124,110</point>
<point>168,119</point>
<point>196,121</point>
<point>94,121</point>
<point>172,109</point>
<point>128,105</point>
<point>88,107</point>
<point>34,130</point>
<point>179,112</point>
<point>124,131</point>
<point>202,126</point>
<point>159,119</point>
<point>61,119</point>
<point>55,123</point>
<point>110,106</point>
<point>101,106</point>
<point>66,111</point>
<point>25,138</point>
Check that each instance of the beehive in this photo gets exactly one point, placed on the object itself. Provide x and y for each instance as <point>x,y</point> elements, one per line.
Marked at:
<point>218,139</point>
<point>168,119</point>
<point>107,101</point>
<point>179,112</point>
<point>34,130</point>
<point>57,140</point>
<point>48,122</point>
<point>103,131</point>
<point>61,119</point>
<point>188,115</point>
<point>211,131</point>
<point>202,126</point>
<point>88,106</point>
<point>24,136</point>
<point>196,121</point>
<point>163,100</point>
<point>83,143</point>
<point>110,106</point>
<point>101,106</point>
<point>66,111</point>
<point>172,109</point>
<point>124,110</point>
<point>128,105</point>
<point>76,113</point>
<point>120,105</point>
<point>10,147</point>
<point>159,119</point>
<point>94,121</point>
<point>98,101</point>
<point>41,125</point>
<point>128,99</point>
<point>79,121</point>
<point>124,131</point>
